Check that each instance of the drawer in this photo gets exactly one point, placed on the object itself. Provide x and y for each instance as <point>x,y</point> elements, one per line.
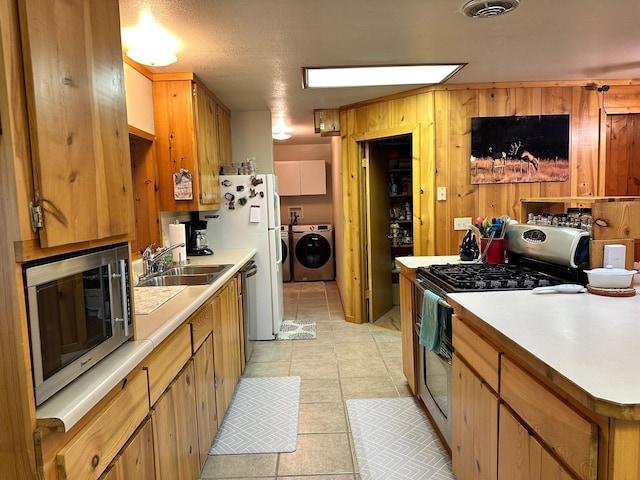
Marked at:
<point>482,356</point>
<point>89,453</point>
<point>572,437</point>
<point>201,326</point>
<point>166,362</point>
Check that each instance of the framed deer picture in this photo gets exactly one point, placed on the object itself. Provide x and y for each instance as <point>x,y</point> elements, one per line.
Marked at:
<point>520,149</point>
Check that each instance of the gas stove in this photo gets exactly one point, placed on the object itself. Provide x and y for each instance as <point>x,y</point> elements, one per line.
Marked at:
<point>538,256</point>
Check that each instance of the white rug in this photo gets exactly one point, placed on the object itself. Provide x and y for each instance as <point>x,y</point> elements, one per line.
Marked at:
<point>297,330</point>
<point>262,417</point>
<point>394,440</point>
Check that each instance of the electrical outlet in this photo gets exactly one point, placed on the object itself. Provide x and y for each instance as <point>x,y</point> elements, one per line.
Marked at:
<point>442,193</point>
<point>461,223</point>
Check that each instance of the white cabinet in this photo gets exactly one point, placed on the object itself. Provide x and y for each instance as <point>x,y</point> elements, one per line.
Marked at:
<point>304,177</point>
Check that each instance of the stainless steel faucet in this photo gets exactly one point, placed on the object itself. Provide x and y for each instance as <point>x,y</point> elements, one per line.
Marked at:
<point>149,261</point>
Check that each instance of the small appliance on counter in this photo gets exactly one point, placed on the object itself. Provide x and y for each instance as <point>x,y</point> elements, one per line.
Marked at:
<point>197,242</point>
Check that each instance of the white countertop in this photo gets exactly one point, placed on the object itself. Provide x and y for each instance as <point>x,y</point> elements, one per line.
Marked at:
<point>591,340</point>
<point>68,406</point>
<point>415,262</point>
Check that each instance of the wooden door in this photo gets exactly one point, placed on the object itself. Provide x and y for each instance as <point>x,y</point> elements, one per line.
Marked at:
<point>175,430</point>
<point>205,398</point>
<point>136,458</point>
<point>474,448</point>
<point>208,154</point>
<point>521,457</point>
<point>78,119</point>
<point>378,243</point>
<point>224,136</point>
<point>622,171</point>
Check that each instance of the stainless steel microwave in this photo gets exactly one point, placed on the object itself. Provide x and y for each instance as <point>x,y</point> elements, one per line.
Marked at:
<point>79,311</point>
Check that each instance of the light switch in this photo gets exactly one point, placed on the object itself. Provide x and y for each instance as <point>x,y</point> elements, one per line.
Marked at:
<point>442,193</point>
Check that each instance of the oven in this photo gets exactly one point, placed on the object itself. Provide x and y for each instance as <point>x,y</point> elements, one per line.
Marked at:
<point>538,256</point>
<point>434,368</point>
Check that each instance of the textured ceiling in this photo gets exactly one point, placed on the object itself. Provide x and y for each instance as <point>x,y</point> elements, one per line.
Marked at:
<point>250,52</point>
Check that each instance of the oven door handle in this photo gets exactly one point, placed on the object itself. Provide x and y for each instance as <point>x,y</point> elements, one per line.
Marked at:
<point>422,288</point>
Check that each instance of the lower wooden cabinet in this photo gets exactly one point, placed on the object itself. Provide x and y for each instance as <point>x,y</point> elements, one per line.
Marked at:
<point>136,458</point>
<point>474,448</point>
<point>521,455</point>
<point>175,429</point>
<point>226,339</point>
<point>205,398</point>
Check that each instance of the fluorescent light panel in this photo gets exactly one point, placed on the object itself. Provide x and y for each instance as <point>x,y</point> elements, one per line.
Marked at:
<point>377,76</point>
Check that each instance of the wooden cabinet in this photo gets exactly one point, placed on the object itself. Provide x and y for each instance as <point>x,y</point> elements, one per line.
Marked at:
<point>226,341</point>
<point>409,338</point>
<point>188,131</point>
<point>136,458</point>
<point>175,430</point>
<point>93,448</point>
<point>78,121</point>
<point>305,177</point>
<point>521,455</point>
<point>474,448</point>
<point>205,398</point>
<point>572,437</point>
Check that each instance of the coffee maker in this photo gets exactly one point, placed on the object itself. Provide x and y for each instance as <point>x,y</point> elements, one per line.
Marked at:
<point>197,243</point>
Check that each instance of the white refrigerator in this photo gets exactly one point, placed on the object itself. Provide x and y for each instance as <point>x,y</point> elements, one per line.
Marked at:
<point>249,217</point>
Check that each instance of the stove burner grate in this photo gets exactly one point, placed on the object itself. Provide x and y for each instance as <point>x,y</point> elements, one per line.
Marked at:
<point>486,276</point>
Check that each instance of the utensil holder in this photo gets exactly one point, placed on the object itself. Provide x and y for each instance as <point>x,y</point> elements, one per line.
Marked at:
<point>495,254</point>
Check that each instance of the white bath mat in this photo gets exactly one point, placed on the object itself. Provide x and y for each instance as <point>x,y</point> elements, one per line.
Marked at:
<point>297,330</point>
<point>394,441</point>
<point>262,417</point>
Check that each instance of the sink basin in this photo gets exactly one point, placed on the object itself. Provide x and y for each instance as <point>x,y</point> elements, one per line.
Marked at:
<point>165,280</point>
<point>197,270</point>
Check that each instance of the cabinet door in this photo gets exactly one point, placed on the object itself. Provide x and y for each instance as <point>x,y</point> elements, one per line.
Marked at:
<point>78,119</point>
<point>205,398</point>
<point>224,136</point>
<point>474,446</point>
<point>175,430</point>
<point>521,457</point>
<point>288,174</point>
<point>208,155</point>
<point>313,177</point>
<point>136,458</point>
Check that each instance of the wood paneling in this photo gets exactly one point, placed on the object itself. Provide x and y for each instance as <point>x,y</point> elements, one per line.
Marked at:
<point>145,193</point>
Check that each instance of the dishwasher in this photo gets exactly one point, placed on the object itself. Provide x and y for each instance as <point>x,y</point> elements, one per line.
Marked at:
<point>249,305</point>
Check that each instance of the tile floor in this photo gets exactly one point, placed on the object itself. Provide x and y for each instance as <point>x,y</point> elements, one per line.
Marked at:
<point>344,361</point>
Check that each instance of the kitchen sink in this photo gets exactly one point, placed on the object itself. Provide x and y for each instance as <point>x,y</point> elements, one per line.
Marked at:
<point>186,275</point>
<point>198,270</point>
<point>166,280</point>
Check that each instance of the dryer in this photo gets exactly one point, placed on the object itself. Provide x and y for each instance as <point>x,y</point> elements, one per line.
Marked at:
<point>286,257</point>
<point>312,252</point>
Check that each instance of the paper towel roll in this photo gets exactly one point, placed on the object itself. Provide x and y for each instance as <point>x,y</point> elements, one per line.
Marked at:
<point>178,235</point>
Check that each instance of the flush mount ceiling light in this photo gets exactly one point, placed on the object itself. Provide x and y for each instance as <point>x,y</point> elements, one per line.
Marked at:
<point>279,131</point>
<point>149,43</point>
<point>335,77</point>
<point>489,8</point>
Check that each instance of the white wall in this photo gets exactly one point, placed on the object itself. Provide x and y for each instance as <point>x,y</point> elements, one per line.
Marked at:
<point>251,137</point>
<point>139,92</point>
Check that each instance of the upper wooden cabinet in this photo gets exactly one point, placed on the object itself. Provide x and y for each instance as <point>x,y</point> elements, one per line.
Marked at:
<point>77,116</point>
<point>192,142</point>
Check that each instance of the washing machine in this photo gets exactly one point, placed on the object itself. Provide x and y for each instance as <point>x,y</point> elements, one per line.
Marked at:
<point>286,257</point>
<point>312,252</point>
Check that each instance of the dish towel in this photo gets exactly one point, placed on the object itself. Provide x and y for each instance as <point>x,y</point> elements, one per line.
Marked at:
<point>430,328</point>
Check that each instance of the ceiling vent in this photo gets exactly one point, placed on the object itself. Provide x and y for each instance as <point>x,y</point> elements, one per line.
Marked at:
<point>488,8</point>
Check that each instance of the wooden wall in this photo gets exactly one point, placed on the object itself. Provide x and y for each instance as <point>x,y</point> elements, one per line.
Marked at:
<point>441,119</point>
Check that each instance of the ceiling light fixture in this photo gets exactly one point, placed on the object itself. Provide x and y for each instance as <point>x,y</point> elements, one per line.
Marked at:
<point>280,130</point>
<point>336,77</point>
<point>148,43</point>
